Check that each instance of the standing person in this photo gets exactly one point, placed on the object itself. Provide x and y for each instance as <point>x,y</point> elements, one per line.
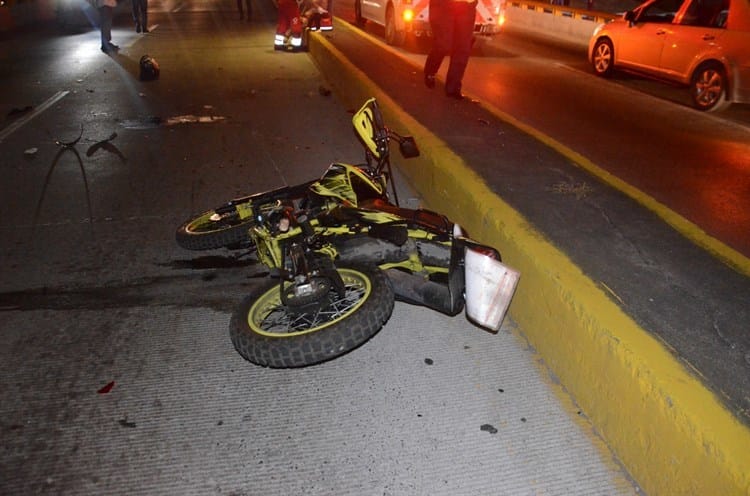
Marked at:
<point>313,12</point>
<point>288,25</point>
<point>106,10</point>
<point>452,23</point>
<point>140,15</point>
<point>248,8</point>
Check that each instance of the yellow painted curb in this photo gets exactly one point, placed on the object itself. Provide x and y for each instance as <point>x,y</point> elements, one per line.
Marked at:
<point>670,432</point>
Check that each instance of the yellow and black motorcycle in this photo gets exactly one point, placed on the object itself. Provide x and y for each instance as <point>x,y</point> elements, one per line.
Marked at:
<point>341,252</point>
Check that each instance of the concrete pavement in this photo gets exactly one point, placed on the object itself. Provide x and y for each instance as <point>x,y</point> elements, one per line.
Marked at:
<point>118,373</point>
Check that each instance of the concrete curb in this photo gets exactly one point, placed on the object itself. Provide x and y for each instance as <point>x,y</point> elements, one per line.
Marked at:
<point>671,433</point>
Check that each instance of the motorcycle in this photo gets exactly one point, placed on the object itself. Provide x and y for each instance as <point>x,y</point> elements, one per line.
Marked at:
<point>340,252</point>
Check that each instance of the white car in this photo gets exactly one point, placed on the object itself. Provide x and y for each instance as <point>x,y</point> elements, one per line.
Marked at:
<point>402,18</point>
<point>704,44</point>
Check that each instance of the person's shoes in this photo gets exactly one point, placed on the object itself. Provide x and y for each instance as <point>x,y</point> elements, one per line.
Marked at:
<point>145,30</point>
<point>113,47</point>
<point>137,28</point>
<point>106,49</point>
<point>429,80</point>
<point>455,94</point>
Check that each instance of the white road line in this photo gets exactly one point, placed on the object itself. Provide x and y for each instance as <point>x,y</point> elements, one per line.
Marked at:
<point>41,108</point>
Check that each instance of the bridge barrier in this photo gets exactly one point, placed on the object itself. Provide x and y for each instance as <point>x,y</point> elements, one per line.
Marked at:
<point>561,23</point>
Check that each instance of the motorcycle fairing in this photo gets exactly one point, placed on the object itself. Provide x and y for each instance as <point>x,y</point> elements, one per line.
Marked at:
<point>368,124</point>
<point>347,183</point>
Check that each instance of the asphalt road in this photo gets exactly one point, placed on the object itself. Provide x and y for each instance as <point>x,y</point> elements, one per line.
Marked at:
<point>641,131</point>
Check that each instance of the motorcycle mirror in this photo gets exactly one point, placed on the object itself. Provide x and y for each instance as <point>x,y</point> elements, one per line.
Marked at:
<point>408,147</point>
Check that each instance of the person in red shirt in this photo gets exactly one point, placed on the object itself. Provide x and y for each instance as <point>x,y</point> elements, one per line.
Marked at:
<point>289,26</point>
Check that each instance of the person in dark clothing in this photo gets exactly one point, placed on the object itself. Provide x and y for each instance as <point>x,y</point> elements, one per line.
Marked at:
<point>140,15</point>
<point>248,8</point>
<point>106,10</point>
<point>452,23</point>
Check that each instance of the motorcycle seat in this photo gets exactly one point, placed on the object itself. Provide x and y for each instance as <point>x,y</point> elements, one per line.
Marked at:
<point>428,219</point>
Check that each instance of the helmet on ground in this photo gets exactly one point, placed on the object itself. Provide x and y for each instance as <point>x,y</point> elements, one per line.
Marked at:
<point>149,68</point>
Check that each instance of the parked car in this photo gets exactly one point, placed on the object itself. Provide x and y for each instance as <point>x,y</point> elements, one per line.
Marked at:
<point>704,44</point>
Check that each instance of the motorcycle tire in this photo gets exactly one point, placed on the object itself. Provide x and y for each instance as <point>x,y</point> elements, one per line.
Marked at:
<point>201,233</point>
<point>267,333</point>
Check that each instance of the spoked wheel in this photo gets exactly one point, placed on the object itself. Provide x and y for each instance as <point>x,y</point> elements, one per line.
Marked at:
<point>603,58</point>
<point>269,333</point>
<point>228,229</point>
<point>211,230</point>
<point>708,87</point>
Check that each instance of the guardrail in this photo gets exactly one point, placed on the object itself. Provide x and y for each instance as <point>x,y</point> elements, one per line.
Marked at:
<point>558,22</point>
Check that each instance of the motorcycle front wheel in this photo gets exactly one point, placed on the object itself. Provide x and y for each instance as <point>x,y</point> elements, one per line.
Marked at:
<point>266,332</point>
<point>209,231</point>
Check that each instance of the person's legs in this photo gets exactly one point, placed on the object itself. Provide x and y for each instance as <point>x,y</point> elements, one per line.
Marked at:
<point>295,38</point>
<point>144,14</point>
<point>136,15</point>
<point>287,11</point>
<point>464,14</point>
<point>105,26</point>
<point>140,15</point>
<point>442,36</point>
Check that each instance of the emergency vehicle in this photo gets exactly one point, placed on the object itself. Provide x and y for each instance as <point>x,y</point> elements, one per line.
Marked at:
<point>411,17</point>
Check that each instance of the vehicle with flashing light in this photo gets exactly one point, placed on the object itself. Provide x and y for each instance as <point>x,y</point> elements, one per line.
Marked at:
<point>404,18</point>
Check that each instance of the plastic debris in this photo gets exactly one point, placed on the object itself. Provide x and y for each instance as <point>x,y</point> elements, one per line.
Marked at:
<point>107,388</point>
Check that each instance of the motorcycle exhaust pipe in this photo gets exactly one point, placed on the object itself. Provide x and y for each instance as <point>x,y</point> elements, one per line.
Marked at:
<point>416,290</point>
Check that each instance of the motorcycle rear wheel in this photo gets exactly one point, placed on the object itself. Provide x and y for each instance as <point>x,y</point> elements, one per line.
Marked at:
<point>267,333</point>
<point>202,233</point>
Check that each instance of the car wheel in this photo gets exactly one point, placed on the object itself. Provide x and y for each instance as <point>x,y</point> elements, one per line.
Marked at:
<point>708,87</point>
<point>603,58</point>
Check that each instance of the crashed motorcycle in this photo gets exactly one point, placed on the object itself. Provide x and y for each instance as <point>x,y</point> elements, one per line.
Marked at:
<point>340,252</point>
